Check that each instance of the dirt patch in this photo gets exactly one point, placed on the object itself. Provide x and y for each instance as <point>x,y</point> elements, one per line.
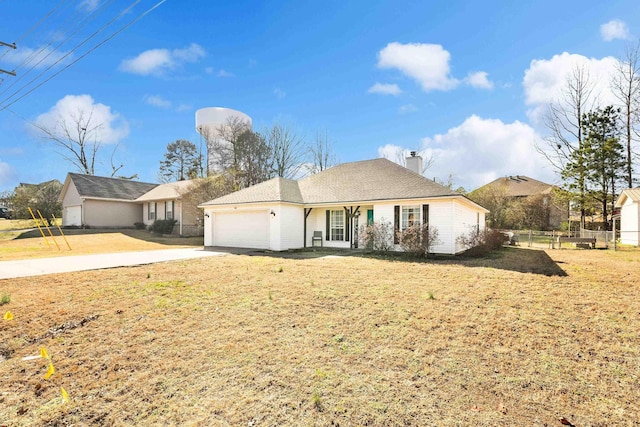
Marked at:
<point>254,340</point>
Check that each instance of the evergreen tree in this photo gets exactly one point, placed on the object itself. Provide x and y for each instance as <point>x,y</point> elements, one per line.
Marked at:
<point>181,161</point>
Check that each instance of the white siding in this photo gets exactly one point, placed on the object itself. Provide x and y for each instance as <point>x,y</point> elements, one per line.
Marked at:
<point>291,226</point>
<point>466,221</point>
<point>450,217</point>
<point>71,207</point>
<point>442,217</point>
<point>630,223</point>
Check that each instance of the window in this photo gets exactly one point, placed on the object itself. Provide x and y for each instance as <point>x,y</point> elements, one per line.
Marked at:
<point>168,209</point>
<point>152,211</point>
<point>410,216</point>
<point>337,225</point>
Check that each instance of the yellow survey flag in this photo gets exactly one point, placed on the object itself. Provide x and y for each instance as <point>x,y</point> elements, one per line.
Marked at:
<point>8,316</point>
<point>50,371</point>
<point>43,353</point>
<point>65,395</point>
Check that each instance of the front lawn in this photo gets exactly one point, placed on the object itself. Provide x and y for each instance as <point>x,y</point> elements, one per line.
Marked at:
<point>525,338</point>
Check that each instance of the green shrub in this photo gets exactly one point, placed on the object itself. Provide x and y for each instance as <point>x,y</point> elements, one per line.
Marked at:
<point>163,226</point>
<point>139,225</point>
<point>5,299</point>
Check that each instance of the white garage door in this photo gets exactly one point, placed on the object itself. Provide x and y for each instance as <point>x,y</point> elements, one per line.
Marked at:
<point>72,215</point>
<point>241,229</point>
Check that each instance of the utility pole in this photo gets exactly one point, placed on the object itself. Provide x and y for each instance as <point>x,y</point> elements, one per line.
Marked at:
<point>12,46</point>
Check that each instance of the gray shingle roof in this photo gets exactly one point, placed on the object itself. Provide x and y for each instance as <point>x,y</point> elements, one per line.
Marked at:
<point>167,191</point>
<point>520,186</point>
<point>273,190</point>
<point>109,188</point>
<point>368,180</point>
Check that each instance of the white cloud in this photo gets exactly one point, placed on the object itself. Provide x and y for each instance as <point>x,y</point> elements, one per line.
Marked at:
<point>614,29</point>
<point>428,64</point>
<point>407,108</point>
<point>112,128</point>
<point>184,107</point>
<point>385,89</point>
<point>159,61</point>
<point>480,150</point>
<point>479,80</point>
<point>545,80</point>
<point>89,5</point>
<point>39,58</point>
<point>7,173</point>
<point>157,101</point>
<point>224,73</point>
<point>279,93</point>
<point>192,53</point>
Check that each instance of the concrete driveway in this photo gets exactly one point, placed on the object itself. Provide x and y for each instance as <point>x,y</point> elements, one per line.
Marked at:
<point>66,264</point>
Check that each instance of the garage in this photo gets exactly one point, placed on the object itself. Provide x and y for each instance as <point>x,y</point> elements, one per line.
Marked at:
<point>72,216</point>
<point>248,229</point>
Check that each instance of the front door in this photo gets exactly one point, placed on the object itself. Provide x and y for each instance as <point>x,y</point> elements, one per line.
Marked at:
<point>369,216</point>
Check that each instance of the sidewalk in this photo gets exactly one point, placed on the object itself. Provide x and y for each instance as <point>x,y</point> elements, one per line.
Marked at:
<point>41,266</point>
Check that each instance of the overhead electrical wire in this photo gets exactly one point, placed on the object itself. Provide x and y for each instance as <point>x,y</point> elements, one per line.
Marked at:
<point>4,105</point>
<point>36,25</point>
<point>38,53</point>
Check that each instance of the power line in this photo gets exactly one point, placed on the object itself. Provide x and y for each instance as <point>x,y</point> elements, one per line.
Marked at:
<point>36,25</point>
<point>34,54</point>
<point>142,15</point>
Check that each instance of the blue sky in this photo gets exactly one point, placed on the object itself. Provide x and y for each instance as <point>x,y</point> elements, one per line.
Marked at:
<point>463,82</point>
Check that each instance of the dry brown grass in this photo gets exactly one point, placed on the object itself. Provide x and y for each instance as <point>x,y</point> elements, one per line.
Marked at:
<point>23,245</point>
<point>523,339</point>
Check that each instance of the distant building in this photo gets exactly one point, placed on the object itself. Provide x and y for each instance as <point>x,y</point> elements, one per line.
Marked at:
<point>550,211</point>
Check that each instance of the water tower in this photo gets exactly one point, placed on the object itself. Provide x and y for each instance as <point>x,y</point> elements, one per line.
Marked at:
<point>212,123</point>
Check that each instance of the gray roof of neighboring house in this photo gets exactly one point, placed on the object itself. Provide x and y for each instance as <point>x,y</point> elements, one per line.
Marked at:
<point>101,187</point>
<point>378,179</point>
<point>168,191</point>
<point>520,185</point>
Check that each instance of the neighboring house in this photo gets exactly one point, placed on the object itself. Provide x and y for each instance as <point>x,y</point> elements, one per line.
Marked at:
<point>282,214</point>
<point>165,202</point>
<point>96,201</point>
<point>629,204</point>
<point>520,187</point>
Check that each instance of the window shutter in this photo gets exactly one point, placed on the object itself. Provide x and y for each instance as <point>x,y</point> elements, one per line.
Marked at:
<point>327,237</point>
<point>425,214</point>
<point>347,220</point>
<point>396,224</point>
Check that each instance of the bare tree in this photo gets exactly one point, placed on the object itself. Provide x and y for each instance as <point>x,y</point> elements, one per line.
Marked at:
<point>286,149</point>
<point>400,155</point>
<point>222,144</point>
<point>77,140</point>
<point>626,88</point>
<point>564,122</point>
<point>235,150</point>
<point>322,156</point>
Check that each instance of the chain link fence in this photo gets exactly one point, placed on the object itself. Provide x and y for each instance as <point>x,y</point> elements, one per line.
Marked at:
<point>549,239</point>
